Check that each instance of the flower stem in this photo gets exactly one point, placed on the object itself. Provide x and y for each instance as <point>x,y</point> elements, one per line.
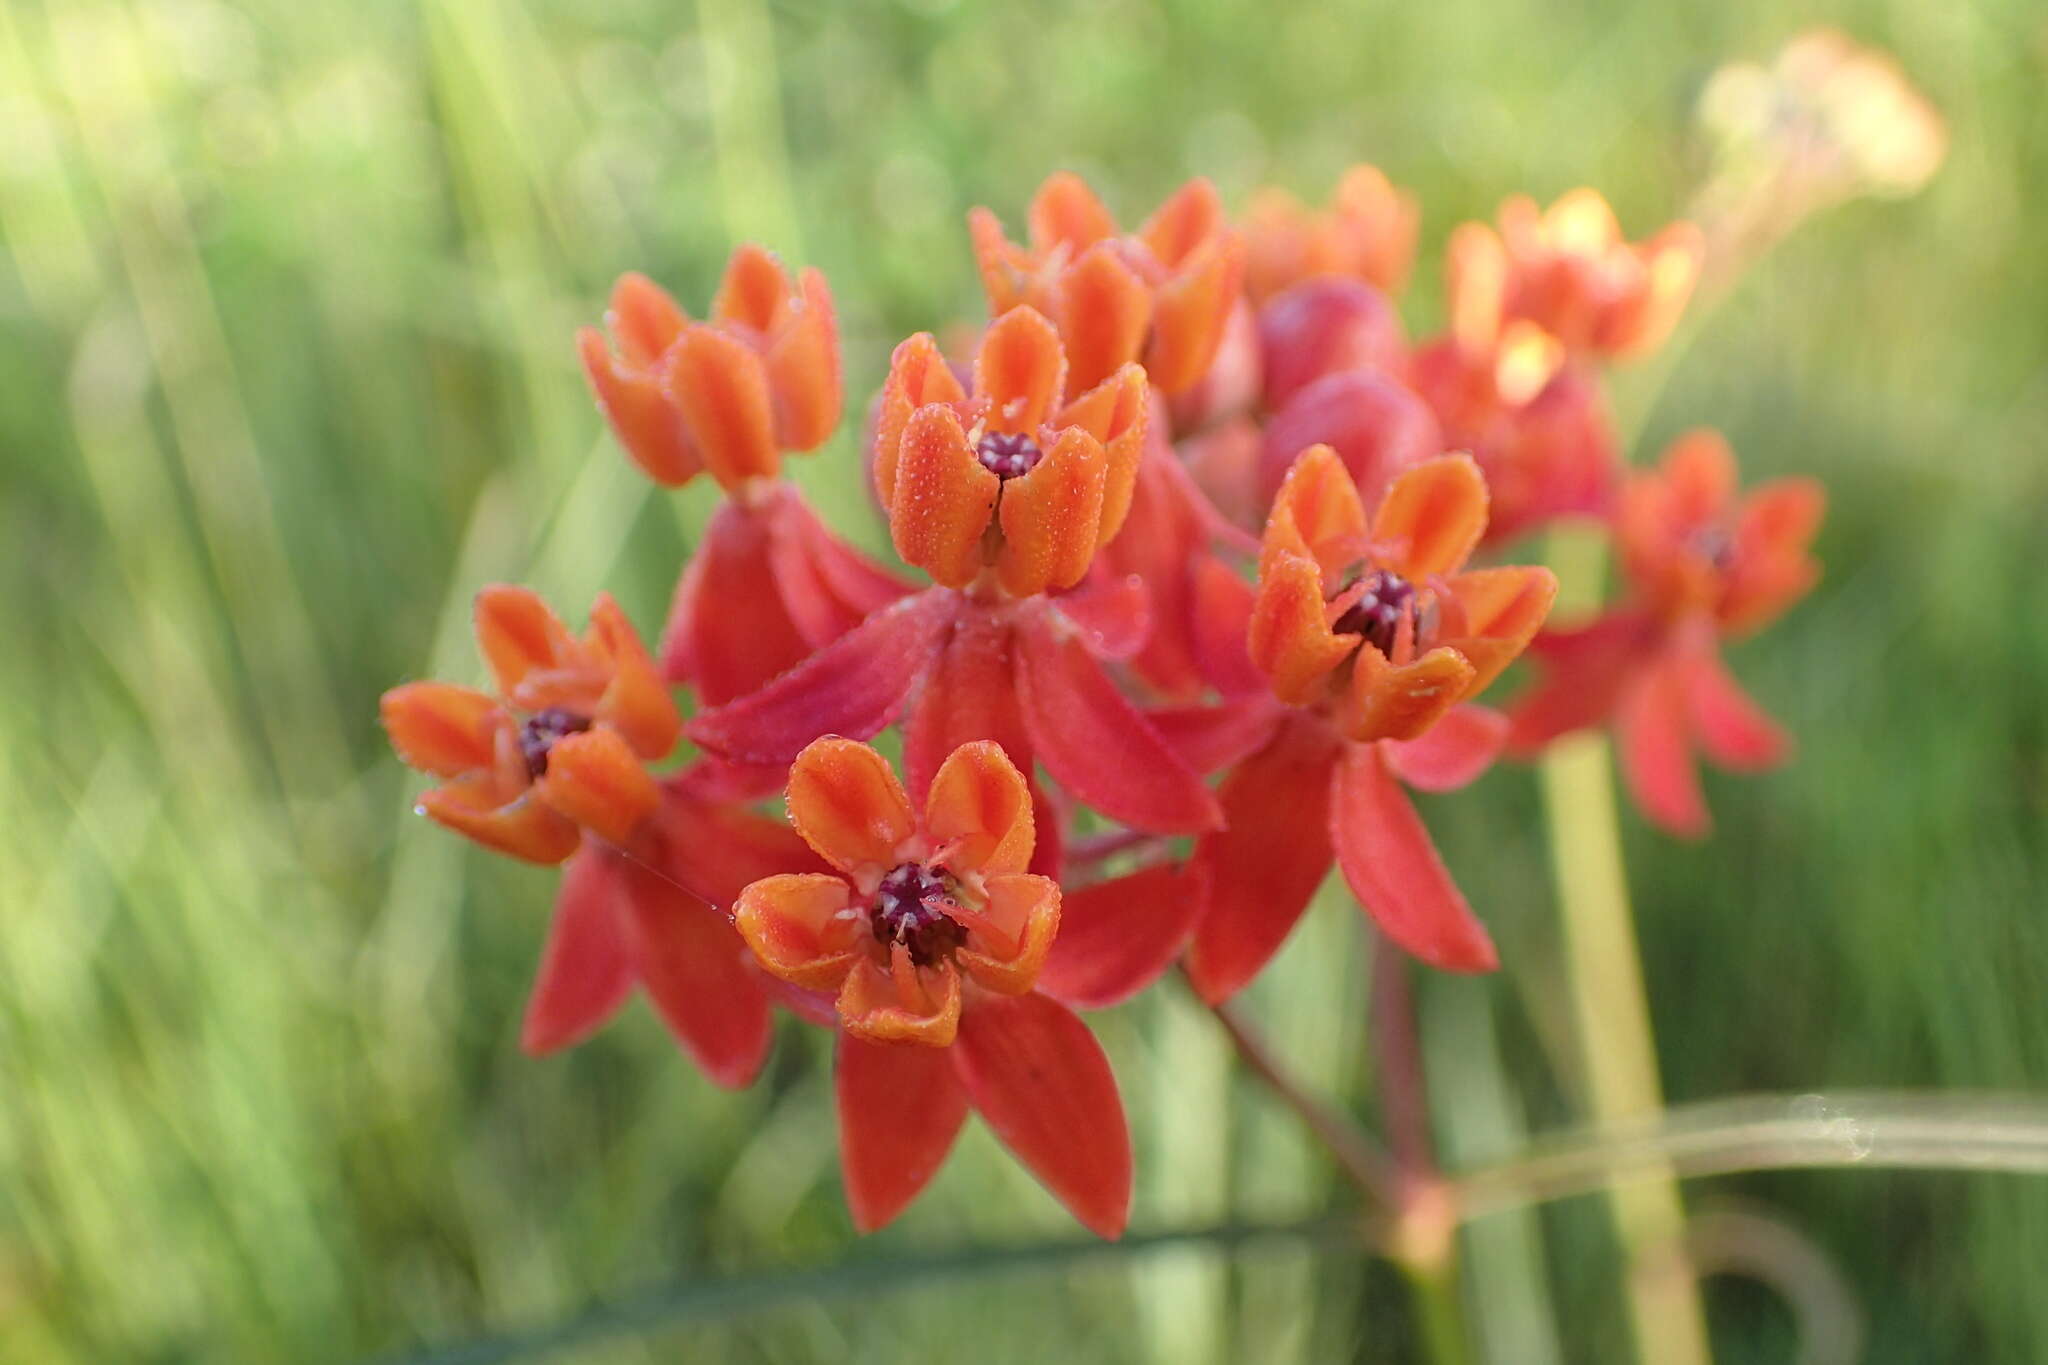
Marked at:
<point>1610,1008</point>
<point>1424,1238</point>
<point>1364,1162</point>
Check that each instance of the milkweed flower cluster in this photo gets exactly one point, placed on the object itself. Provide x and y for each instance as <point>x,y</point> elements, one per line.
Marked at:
<point>1195,546</point>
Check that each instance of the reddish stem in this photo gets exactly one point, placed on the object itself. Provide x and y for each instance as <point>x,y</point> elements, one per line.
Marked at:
<point>1363,1160</point>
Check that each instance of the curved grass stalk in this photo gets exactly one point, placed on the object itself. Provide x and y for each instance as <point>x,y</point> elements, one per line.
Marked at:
<point>1875,1130</point>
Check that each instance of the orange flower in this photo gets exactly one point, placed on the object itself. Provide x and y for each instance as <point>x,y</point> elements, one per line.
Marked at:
<point>561,746</point>
<point>729,395</point>
<point>917,907</point>
<point>1367,232</point>
<point>1701,565</point>
<point>1569,271</point>
<point>1689,545</point>
<point>1162,294</point>
<point>1379,640</point>
<point>932,935</point>
<point>1376,622</point>
<point>1008,478</point>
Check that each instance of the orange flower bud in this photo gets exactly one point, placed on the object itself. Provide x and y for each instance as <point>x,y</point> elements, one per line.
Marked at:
<point>1162,294</point>
<point>1368,233</point>
<point>761,377</point>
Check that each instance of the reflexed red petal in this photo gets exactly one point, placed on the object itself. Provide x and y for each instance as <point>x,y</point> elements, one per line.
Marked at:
<point>854,686</point>
<point>1393,867</point>
<point>1656,757</point>
<point>1118,937</point>
<point>1731,728</point>
<point>1453,752</point>
<point>729,632</point>
<point>1268,859</point>
<point>1113,614</point>
<point>1209,738</point>
<point>716,849</point>
<point>695,969</point>
<point>586,970</point>
<point>900,1107</point>
<point>970,693</point>
<point>1099,746</point>
<point>827,587</point>
<point>1041,1081</point>
<point>1583,672</point>
<point>1221,605</point>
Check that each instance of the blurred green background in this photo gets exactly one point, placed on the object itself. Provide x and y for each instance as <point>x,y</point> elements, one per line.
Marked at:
<point>286,296</point>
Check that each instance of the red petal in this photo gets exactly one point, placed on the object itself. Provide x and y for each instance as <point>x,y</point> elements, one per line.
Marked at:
<point>854,686</point>
<point>729,632</point>
<point>1583,673</point>
<point>970,693</point>
<point>900,1107</point>
<point>1656,759</point>
<point>827,587</point>
<point>715,850</point>
<point>586,970</point>
<point>1099,746</point>
<point>1269,858</point>
<point>1212,738</point>
<point>1040,1079</point>
<point>1113,614</point>
<point>1393,867</point>
<point>1453,752</point>
<point>1730,727</point>
<point>695,968</point>
<point>1118,937</point>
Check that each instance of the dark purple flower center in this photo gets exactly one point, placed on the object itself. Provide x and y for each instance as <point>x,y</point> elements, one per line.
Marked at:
<point>541,731</point>
<point>1715,545</point>
<point>1383,600</point>
<point>910,909</point>
<point>1007,454</point>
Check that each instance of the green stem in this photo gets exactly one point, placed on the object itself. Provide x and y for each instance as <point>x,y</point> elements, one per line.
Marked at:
<point>1438,1312</point>
<point>1610,1008</point>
